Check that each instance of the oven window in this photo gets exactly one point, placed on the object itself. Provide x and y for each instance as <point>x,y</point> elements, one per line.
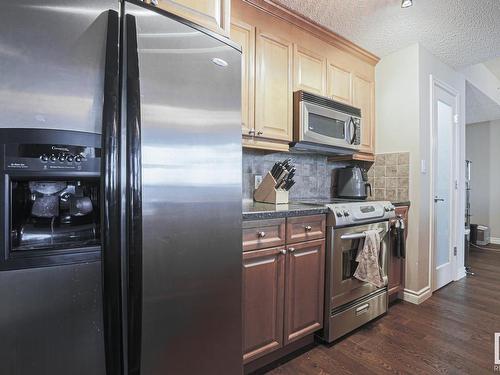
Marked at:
<point>349,263</point>
<point>326,126</point>
<point>50,215</point>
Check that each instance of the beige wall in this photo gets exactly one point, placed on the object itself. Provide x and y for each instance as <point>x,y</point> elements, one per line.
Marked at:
<point>483,150</point>
<point>403,125</point>
<point>398,123</point>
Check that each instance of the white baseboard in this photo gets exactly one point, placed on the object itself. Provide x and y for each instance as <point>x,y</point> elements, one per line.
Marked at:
<point>461,273</point>
<point>417,297</point>
<point>495,240</point>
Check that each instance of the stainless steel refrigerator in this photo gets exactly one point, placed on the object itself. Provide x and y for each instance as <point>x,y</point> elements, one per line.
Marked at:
<point>164,294</point>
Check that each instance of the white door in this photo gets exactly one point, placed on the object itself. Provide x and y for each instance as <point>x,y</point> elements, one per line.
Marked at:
<point>444,156</point>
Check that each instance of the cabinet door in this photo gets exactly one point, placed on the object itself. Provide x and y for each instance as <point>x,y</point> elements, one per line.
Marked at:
<point>304,291</point>
<point>309,71</point>
<point>244,34</point>
<point>273,92</point>
<point>212,14</point>
<point>339,84</point>
<point>363,97</point>
<point>263,298</point>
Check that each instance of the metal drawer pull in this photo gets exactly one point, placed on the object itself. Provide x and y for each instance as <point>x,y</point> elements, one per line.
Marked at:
<point>260,133</point>
<point>283,251</point>
<point>251,131</point>
<point>356,236</point>
<point>362,309</point>
<point>291,249</point>
<point>308,228</point>
<point>261,234</point>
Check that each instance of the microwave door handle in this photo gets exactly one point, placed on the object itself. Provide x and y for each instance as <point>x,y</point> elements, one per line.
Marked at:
<point>347,130</point>
<point>352,131</point>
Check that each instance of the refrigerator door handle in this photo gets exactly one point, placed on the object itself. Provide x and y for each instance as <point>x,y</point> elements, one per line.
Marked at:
<point>134,199</point>
<point>110,201</point>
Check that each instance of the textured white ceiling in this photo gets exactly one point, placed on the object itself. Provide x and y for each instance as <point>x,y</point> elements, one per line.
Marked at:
<point>494,66</point>
<point>459,32</point>
<point>478,106</point>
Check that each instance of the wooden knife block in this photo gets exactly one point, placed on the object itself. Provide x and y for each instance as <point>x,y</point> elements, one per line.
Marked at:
<point>267,193</point>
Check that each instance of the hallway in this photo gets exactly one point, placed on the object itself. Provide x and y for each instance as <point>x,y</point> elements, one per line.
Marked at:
<point>451,332</point>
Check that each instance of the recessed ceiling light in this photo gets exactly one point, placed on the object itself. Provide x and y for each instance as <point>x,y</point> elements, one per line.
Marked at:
<point>406,3</point>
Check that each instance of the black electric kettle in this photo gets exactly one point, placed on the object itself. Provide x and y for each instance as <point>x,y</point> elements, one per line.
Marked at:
<point>352,183</point>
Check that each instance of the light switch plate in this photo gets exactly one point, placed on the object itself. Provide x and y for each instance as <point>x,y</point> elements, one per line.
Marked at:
<point>257,181</point>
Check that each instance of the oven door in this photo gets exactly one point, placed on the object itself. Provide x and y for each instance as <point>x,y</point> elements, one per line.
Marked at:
<point>326,126</point>
<point>341,257</point>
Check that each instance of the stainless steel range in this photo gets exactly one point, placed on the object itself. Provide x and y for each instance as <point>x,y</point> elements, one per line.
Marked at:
<point>349,302</point>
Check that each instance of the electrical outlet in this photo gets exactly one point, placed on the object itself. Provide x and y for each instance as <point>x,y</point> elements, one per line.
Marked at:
<point>257,181</point>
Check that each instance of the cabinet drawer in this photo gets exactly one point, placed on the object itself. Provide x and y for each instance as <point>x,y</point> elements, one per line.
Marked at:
<point>305,228</point>
<point>259,234</point>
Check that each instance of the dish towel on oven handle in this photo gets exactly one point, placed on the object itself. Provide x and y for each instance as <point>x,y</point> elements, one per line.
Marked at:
<point>368,269</point>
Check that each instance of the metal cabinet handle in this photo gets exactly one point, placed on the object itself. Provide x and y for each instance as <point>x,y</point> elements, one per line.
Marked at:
<point>261,234</point>
<point>308,228</point>
<point>260,133</point>
<point>436,199</point>
<point>291,249</point>
<point>283,251</point>
<point>362,309</point>
<point>251,131</point>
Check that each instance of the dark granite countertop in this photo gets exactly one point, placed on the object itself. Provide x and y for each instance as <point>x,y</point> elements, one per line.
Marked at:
<point>403,203</point>
<point>259,211</point>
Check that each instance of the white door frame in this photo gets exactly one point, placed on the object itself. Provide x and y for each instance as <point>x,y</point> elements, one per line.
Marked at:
<point>454,222</point>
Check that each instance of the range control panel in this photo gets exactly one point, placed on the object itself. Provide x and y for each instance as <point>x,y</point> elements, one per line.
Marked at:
<point>46,157</point>
<point>350,213</point>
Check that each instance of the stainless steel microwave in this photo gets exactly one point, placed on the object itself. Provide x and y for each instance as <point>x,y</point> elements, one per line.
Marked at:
<point>325,123</point>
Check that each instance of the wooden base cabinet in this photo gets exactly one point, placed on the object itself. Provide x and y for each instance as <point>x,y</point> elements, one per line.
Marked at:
<point>396,266</point>
<point>263,291</point>
<point>283,286</point>
<point>304,290</point>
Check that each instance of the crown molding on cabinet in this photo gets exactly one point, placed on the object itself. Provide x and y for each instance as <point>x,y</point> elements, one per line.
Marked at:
<point>314,28</point>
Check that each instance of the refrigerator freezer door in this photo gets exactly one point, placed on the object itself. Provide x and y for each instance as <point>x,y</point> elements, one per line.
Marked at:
<point>52,59</point>
<point>190,152</point>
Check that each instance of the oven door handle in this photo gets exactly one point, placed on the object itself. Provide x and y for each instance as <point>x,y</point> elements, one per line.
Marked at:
<point>357,236</point>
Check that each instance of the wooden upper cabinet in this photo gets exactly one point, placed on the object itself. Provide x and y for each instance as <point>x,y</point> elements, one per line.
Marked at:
<point>273,87</point>
<point>212,14</point>
<point>339,84</point>
<point>263,299</point>
<point>363,97</point>
<point>309,71</point>
<point>304,290</point>
<point>244,34</point>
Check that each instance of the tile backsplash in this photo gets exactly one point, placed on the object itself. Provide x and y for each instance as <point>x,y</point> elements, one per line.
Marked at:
<point>314,177</point>
<point>389,177</point>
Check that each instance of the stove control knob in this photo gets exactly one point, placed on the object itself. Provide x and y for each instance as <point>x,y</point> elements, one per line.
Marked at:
<point>62,158</point>
<point>387,208</point>
<point>338,213</point>
<point>346,213</point>
<point>70,158</point>
<point>53,158</point>
<point>44,158</point>
<point>78,158</point>
<point>392,208</point>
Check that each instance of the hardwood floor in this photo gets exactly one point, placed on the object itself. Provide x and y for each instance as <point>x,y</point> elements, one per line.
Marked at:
<point>450,333</point>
